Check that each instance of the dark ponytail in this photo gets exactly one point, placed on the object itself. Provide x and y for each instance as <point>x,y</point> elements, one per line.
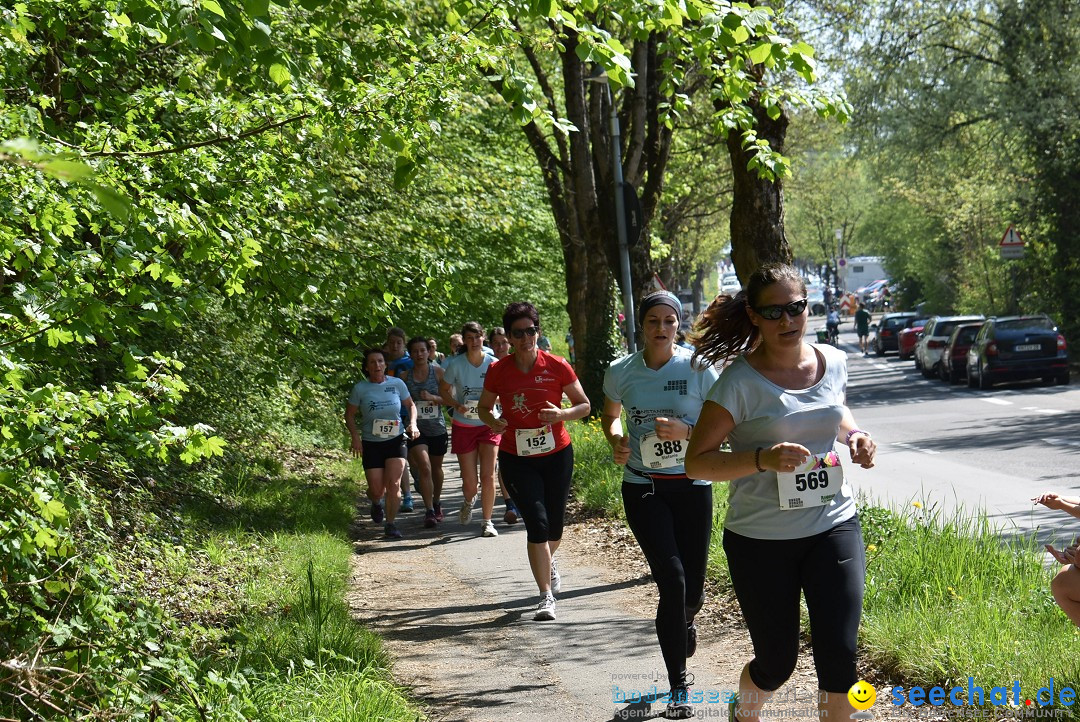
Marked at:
<point>725,329</point>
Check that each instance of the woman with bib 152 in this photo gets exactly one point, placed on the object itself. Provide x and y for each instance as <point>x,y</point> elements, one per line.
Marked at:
<point>535,453</point>
<point>791,528</point>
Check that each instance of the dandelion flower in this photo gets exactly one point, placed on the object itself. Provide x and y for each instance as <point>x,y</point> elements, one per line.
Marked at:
<point>917,504</point>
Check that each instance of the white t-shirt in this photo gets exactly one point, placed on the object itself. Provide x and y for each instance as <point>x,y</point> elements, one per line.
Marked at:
<point>766,414</point>
<point>468,383</point>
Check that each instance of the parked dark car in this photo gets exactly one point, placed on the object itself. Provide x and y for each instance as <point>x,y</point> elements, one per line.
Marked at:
<point>905,345</point>
<point>1013,348</point>
<point>888,330</point>
<point>933,339</point>
<point>953,364</point>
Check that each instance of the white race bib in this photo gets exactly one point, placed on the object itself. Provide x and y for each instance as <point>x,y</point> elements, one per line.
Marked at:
<point>535,441</point>
<point>470,410</point>
<point>657,454</point>
<point>427,410</point>
<point>815,483</point>
<point>386,428</point>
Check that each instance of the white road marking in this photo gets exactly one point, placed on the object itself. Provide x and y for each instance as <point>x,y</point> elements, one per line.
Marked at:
<point>912,447</point>
<point>1061,442</point>
<point>999,402</point>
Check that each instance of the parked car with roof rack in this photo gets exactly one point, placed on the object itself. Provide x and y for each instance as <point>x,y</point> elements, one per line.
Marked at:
<point>934,337</point>
<point>1014,348</point>
<point>953,364</point>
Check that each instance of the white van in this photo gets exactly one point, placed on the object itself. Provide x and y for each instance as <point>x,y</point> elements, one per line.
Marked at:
<point>862,271</point>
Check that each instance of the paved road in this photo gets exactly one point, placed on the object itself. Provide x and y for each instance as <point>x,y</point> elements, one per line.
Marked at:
<point>964,448</point>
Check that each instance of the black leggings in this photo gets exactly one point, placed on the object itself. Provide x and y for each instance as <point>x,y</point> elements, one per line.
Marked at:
<point>767,574</point>
<point>672,524</point>
<point>539,486</point>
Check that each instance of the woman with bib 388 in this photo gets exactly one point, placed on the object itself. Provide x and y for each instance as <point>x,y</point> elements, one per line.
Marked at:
<point>669,513</point>
<point>791,525</point>
<point>535,453</point>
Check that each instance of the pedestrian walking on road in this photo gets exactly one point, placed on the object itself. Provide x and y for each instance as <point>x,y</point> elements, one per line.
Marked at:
<point>1066,583</point>
<point>380,401</point>
<point>669,513</point>
<point>862,328</point>
<point>791,525</point>
<point>535,452</point>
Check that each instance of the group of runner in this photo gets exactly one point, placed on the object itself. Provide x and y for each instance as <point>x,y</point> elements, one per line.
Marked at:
<point>768,422</point>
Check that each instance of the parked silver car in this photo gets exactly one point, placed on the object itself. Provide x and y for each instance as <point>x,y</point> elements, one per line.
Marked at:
<point>932,340</point>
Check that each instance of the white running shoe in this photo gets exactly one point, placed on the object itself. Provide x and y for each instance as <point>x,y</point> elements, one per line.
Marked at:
<point>465,515</point>
<point>545,610</point>
<point>488,529</point>
<point>556,578</point>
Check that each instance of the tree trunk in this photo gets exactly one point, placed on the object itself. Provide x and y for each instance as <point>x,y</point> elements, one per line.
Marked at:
<point>757,208</point>
<point>578,171</point>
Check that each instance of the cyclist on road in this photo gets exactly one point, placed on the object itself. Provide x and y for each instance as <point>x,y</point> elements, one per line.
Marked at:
<point>832,325</point>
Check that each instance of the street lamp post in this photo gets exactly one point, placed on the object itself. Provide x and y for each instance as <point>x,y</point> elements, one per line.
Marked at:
<point>600,75</point>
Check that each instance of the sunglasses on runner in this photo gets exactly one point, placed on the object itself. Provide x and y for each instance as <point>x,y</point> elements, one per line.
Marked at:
<point>520,332</point>
<point>793,309</point>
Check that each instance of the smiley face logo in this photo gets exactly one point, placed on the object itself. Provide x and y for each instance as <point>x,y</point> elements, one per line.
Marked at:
<point>862,696</point>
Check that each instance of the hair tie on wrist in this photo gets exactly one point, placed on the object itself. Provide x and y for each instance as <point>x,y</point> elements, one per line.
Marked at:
<point>855,431</point>
<point>757,459</point>
<point>689,431</point>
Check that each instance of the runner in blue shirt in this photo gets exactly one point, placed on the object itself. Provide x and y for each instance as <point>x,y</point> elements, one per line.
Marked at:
<point>470,439</point>
<point>670,514</point>
<point>379,441</point>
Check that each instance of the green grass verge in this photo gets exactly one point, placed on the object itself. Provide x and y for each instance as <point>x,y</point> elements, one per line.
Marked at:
<point>273,558</point>
<point>946,597</point>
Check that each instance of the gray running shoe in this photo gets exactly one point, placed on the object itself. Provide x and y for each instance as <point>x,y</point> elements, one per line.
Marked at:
<point>545,610</point>
<point>465,515</point>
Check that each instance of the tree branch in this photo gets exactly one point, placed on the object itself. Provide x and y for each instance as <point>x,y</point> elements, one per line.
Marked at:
<point>202,143</point>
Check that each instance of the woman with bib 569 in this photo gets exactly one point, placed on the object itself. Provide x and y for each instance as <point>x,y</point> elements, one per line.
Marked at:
<point>791,525</point>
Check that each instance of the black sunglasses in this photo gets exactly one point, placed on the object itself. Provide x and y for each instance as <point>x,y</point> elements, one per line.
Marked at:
<point>520,332</point>
<point>771,313</point>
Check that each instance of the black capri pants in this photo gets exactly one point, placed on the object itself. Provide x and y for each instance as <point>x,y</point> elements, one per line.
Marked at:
<point>672,522</point>
<point>768,574</point>
<point>540,486</point>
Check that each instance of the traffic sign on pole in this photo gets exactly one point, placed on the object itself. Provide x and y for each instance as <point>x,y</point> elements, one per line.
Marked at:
<point>1012,245</point>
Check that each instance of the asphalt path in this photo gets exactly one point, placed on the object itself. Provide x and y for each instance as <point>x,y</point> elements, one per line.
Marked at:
<point>963,450</point>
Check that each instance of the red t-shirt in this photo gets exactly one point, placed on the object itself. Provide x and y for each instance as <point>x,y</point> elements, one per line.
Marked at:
<point>522,395</point>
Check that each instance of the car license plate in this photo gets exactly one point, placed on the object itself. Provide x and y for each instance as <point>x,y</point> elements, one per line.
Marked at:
<point>1027,347</point>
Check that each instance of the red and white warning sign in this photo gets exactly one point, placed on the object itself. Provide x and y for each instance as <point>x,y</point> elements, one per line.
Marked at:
<point>1012,245</point>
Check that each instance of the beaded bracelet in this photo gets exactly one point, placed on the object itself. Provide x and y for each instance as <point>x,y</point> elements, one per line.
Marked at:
<point>856,431</point>
<point>757,459</point>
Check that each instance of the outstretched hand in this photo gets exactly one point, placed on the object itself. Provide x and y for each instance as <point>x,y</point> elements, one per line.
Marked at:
<point>863,449</point>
